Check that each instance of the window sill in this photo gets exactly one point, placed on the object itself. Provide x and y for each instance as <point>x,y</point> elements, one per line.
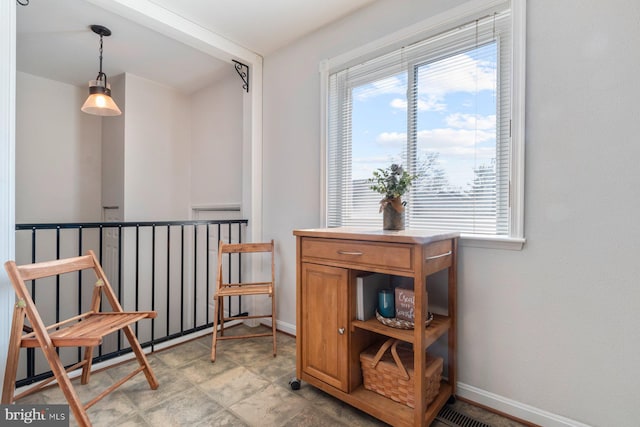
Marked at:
<point>492,242</point>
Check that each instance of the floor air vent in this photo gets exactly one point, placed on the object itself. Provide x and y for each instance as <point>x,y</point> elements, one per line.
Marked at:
<point>453,418</point>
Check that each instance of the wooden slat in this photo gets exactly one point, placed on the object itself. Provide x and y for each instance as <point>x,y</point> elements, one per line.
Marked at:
<point>32,334</point>
<point>113,387</point>
<point>49,380</point>
<point>242,290</point>
<point>247,284</point>
<point>148,314</point>
<point>254,316</point>
<point>235,337</point>
<point>53,268</point>
<point>89,332</point>
<point>246,247</point>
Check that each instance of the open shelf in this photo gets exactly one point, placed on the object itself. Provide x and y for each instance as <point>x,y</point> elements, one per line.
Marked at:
<point>438,327</point>
<point>395,413</point>
<point>383,408</point>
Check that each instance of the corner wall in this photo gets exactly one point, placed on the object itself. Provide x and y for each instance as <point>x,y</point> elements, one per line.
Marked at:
<point>58,153</point>
<point>547,333</point>
<point>156,152</point>
<point>113,150</point>
<point>216,143</point>
<point>7,167</point>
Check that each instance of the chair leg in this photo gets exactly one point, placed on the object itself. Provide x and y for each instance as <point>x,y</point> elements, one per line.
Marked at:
<point>9,385</point>
<point>221,314</point>
<point>86,369</point>
<point>216,310</point>
<point>76,406</point>
<point>142,359</point>
<point>273,321</point>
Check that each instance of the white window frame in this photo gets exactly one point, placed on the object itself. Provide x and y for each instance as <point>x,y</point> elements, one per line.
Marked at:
<point>420,31</point>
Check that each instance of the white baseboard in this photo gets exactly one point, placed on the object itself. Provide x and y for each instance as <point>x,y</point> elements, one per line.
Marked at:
<point>514,408</point>
<point>286,327</point>
<point>499,403</point>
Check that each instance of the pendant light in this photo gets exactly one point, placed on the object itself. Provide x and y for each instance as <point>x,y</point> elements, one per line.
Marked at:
<point>99,101</point>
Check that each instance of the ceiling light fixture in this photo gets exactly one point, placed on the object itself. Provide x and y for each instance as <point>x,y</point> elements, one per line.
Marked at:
<point>99,101</point>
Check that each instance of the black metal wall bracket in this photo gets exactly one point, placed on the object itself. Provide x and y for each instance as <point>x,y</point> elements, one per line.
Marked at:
<point>243,72</point>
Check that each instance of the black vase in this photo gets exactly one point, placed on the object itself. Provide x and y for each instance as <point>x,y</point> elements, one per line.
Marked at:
<point>391,218</point>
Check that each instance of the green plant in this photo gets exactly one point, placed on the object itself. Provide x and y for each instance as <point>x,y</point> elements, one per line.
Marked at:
<point>391,182</point>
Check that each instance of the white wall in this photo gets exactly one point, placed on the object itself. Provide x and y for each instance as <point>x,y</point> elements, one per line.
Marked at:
<point>58,153</point>
<point>157,152</point>
<point>550,331</point>
<point>291,179</point>
<point>7,166</point>
<point>113,149</point>
<point>216,142</point>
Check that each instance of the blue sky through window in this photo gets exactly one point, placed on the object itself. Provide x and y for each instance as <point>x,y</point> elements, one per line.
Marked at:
<point>455,113</point>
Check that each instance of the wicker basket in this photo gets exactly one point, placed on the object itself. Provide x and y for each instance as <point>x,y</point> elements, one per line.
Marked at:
<point>391,375</point>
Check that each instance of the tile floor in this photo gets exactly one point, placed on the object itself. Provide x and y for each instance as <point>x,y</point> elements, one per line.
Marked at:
<point>246,386</point>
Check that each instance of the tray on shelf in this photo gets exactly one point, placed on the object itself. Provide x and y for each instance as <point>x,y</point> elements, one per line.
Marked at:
<point>400,323</point>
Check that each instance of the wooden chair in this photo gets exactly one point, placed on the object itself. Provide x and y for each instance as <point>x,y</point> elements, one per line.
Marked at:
<point>84,330</point>
<point>242,289</point>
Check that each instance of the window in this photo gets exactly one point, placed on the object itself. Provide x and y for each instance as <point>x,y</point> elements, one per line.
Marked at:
<point>444,107</point>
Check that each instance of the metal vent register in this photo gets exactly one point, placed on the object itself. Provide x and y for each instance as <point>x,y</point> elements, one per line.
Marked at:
<point>453,418</point>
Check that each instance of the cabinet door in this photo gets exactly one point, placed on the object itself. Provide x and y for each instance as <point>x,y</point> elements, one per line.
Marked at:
<point>324,324</point>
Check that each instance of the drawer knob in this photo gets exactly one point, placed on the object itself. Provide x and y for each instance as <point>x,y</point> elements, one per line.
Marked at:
<point>341,331</point>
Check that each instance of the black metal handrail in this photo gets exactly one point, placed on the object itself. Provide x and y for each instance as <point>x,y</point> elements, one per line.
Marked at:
<point>155,279</point>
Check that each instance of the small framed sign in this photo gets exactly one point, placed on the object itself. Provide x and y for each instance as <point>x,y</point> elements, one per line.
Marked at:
<point>405,304</point>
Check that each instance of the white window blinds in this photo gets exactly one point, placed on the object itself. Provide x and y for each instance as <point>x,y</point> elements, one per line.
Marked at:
<point>442,108</point>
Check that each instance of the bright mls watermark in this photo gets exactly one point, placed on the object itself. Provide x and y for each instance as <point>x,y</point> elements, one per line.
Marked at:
<point>34,415</point>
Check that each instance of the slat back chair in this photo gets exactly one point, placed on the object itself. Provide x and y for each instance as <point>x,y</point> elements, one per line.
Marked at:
<point>242,289</point>
<point>84,330</point>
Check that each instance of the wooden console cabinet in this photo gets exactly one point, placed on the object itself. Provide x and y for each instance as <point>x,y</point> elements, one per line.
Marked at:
<point>330,339</point>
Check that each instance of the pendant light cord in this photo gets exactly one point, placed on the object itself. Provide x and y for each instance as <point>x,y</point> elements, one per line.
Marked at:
<point>100,55</point>
<point>101,76</point>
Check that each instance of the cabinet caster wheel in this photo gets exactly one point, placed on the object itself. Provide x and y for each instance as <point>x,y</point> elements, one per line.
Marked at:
<point>295,384</point>
<point>451,400</point>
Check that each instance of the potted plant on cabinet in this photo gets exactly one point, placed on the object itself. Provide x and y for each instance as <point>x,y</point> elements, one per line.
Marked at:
<point>392,183</point>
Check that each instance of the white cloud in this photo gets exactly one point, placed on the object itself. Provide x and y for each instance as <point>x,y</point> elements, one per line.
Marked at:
<point>363,167</point>
<point>458,148</point>
<point>432,103</point>
<point>372,159</point>
<point>390,85</point>
<point>455,142</point>
<point>459,73</point>
<point>471,121</point>
<point>400,104</point>
<point>392,138</point>
<point>447,141</point>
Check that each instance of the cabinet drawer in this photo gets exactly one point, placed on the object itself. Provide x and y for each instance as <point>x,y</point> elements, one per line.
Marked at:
<point>438,256</point>
<point>393,256</point>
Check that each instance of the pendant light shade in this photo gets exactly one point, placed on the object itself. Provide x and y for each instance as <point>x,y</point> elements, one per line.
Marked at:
<point>99,101</point>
